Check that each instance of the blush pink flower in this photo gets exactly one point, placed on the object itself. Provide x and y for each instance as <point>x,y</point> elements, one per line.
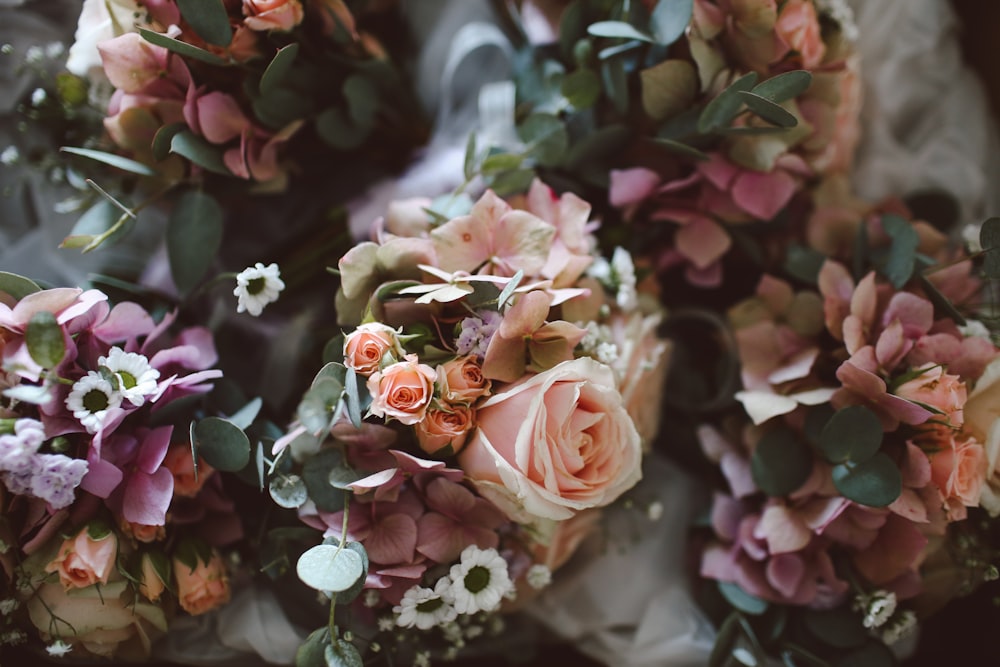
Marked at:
<point>798,28</point>
<point>365,347</point>
<point>455,519</point>
<point>203,587</point>
<point>280,15</point>
<point>958,466</point>
<point>463,381</point>
<point>945,394</point>
<point>83,561</point>
<point>444,429</point>
<point>402,391</point>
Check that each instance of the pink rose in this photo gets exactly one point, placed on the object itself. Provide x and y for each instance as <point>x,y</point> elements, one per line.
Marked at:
<point>798,27</point>
<point>365,347</point>
<point>938,390</point>
<point>83,561</point>
<point>180,464</point>
<point>402,391</point>
<point>150,585</point>
<point>204,587</point>
<point>282,15</point>
<point>465,380</point>
<point>554,443</point>
<point>444,427</point>
<point>958,467</point>
<point>142,532</point>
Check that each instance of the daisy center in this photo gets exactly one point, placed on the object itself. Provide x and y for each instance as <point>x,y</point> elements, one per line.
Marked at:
<point>128,380</point>
<point>95,400</point>
<point>256,285</point>
<point>430,606</point>
<point>477,579</point>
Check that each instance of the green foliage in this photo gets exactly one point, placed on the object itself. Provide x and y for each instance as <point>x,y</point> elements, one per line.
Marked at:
<point>546,138</point>
<point>740,599</point>
<point>875,482</point>
<point>182,48</point>
<point>288,491</point>
<point>330,568</point>
<point>194,235</point>
<point>618,30</point>
<point>784,86</point>
<point>723,108</point>
<point>17,286</point>
<point>781,462</point>
<point>222,444</point>
<point>101,224</point>
<point>316,475</point>
<point>768,110</point>
<point>278,68</point>
<point>839,627</point>
<point>669,19</point>
<point>44,337</point>
<point>116,161</point>
<point>852,434</point>
<point>989,239</point>
<point>804,263</point>
<point>209,19</point>
<point>902,256</point>
<point>192,147</point>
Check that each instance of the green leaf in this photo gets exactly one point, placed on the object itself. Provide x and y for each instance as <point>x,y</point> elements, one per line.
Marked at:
<point>739,598</point>
<point>348,596</point>
<point>781,462</point>
<point>852,434</point>
<point>500,162</point>
<point>326,567</point>
<point>222,444</point>
<point>804,263</point>
<point>362,101</point>
<point>723,108</point>
<point>163,139</point>
<point>617,30</point>
<point>768,110</point>
<point>903,252</point>
<point>282,106</point>
<point>98,529</point>
<point>816,418</point>
<point>678,148</point>
<point>342,653</point>
<point>91,229</point>
<point>469,163</point>
<point>872,654</point>
<point>278,68</point>
<point>17,286</point>
<point>839,628</point>
<point>618,49</point>
<point>116,161</point>
<point>784,86</point>
<point>351,394</point>
<point>194,235</point>
<point>316,407</point>
<point>334,126</point>
<point>875,482</point>
<point>616,83</point>
<point>312,652</point>
<point>194,447</point>
<point>724,641</point>
<point>582,88</point>
<point>182,48</point>
<point>669,20</point>
<point>943,307</point>
<point>571,28</point>
<point>513,182</point>
<point>44,337</point>
<point>192,147</point>
<point>509,288</point>
<point>288,491</point>
<point>209,19</point>
<point>597,145</point>
<point>546,138</point>
<point>316,475</point>
<point>245,416</point>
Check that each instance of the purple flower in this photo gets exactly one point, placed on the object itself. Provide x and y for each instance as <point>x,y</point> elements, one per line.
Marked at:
<point>476,333</point>
<point>17,449</point>
<point>56,477</point>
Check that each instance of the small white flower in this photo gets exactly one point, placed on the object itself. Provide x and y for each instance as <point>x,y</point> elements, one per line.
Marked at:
<point>371,598</point>
<point>58,649</point>
<point>473,631</point>
<point>607,353</point>
<point>422,659</point>
<point>10,155</point>
<point>899,626</point>
<point>54,50</point>
<point>452,633</point>
<point>91,399</point>
<point>7,606</point>
<point>34,55</point>
<point>624,274</point>
<point>878,607</point>
<point>974,328</point>
<point>386,623</point>
<point>136,378</point>
<point>38,95</point>
<point>257,286</point>
<point>426,608</point>
<point>479,581</point>
<point>655,510</point>
<point>539,576</point>
<point>970,234</point>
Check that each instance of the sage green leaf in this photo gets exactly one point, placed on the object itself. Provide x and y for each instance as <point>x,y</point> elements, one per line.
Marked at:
<point>245,416</point>
<point>116,161</point>
<point>17,286</point>
<point>804,263</point>
<point>739,598</point>
<point>509,288</point>
<point>316,475</point>
<point>348,596</point>
<point>669,19</point>
<point>351,394</point>
<point>500,162</point>
<point>469,163</point>
<point>582,88</point>
<point>44,337</point>
<point>326,567</point>
<point>839,627</point>
<point>724,641</point>
<point>222,444</point>
<point>182,48</point>
<point>163,139</point>
<point>362,101</point>
<point>781,462</point>
<point>334,126</point>
<point>288,491</point>
<point>852,434</point>
<point>209,19</point>
<point>876,482</point>
<point>768,110</point>
<point>91,229</point>
<point>943,307</point>
<point>989,239</point>
<point>546,138</point>
<point>342,653</point>
<point>278,68</point>
<point>571,28</point>
<point>902,257</point>
<point>618,30</point>
<point>616,83</point>
<point>784,86</point>
<point>723,108</point>
<point>597,145</point>
<point>189,145</point>
<point>312,652</point>
<point>194,235</point>
<point>513,182</point>
<point>678,148</point>
<point>618,49</point>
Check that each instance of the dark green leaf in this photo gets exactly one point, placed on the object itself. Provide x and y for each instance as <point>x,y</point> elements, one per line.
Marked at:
<point>816,419</point>
<point>312,652</point>
<point>163,139</point>
<point>723,108</point>
<point>781,462</point>
<point>17,286</point>
<point>188,145</point>
<point>500,162</point>
<point>342,476</point>
<point>329,568</point>
<point>469,163</point>
<point>222,444</point>
<point>181,48</point>
<point>616,84</point>
<point>278,68</point>
<point>571,28</point>
<point>724,641</point>
<point>872,654</point>
<point>875,483</point>
<point>852,434</point>
<point>513,182</point>
<point>679,148</point>
<point>768,110</point>
<point>316,475</point>
<point>44,337</point>
<point>942,306</point>
<point>348,596</point>
<point>194,235</point>
<point>362,101</point>
<point>546,138</point>
<point>98,529</point>
<point>582,88</point>
<point>288,491</point>
<point>804,263</point>
<point>840,627</point>
<point>784,86</point>
<point>283,106</point>
<point>669,20</point>
<point>903,253</point>
<point>209,19</point>
<point>617,30</point>
<point>116,161</point>
<point>336,129</point>
<point>989,239</point>
<point>597,145</point>
<point>342,653</point>
<point>736,596</point>
<point>860,258</point>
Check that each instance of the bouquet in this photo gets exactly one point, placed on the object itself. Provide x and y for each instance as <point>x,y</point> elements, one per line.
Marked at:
<point>492,393</point>
<point>109,523</point>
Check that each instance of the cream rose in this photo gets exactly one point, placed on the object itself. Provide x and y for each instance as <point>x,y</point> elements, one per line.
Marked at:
<point>204,587</point>
<point>554,443</point>
<point>445,427</point>
<point>982,419</point>
<point>83,561</point>
<point>282,15</point>
<point>402,391</point>
<point>366,346</point>
<point>641,370</point>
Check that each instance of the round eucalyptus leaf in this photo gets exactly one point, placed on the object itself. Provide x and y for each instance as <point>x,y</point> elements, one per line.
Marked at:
<point>17,286</point>
<point>839,628</point>
<point>582,88</point>
<point>311,653</point>
<point>852,434</point>
<point>44,337</point>
<point>222,444</point>
<point>546,138</point>
<point>739,598</point>
<point>343,654</point>
<point>876,482</point>
<point>289,491</point>
<point>781,463</point>
<point>316,475</point>
<point>351,594</point>
<point>326,567</point>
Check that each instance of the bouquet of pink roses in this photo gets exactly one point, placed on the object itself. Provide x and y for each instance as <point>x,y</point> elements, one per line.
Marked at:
<point>497,384</point>
<point>108,525</point>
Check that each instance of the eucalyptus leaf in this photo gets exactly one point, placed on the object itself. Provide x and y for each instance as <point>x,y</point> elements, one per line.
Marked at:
<point>245,416</point>
<point>723,108</point>
<point>222,444</point>
<point>317,405</point>
<point>838,627</point>
<point>500,162</point>
<point>852,434</point>
<point>288,491</point>
<point>724,641</point>
<point>182,48</point>
<point>116,161</point>
<point>312,652</point>
<point>943,307</point>
<point>617,30</point>
<point>509,288</point>
<point>353,401</point>
<point>804,263</point>
<point>876,482</point>
<point>582,88</point>
<point>781,462</point>
<point>192,147</point>
<point>678,148</point>
<point>736,596</point>
<point>618,49</point>
<point>784,86</point>
<point>209,19</point>
<point>362,101</point>
<point>334,127</point>
<point>348,596</point>
<point>571,28</point>
<point>669,19</point>
<point>258,460</point>
<point>902,257</point>
<point>546,138</point>
<point>278,68</point>
<point>768,110</point>
<point>45,340</point>
<point>194,236</point>
<point>469,162</point>
<point>513,182</point>
<point>316,475</point>
<point>326,567</point>
<point>17,286</point>
<point>616,84</point>
<point>163,139</point>
<point>342,653</point>
<point>93,226</point>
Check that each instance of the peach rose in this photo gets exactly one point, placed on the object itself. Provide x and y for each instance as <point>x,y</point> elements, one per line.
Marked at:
<point>798,28</point>
<point>150,584</point>
<point>447,426</point>
<point>282,15</point>
<point>141,532</point>
<point>554,443</point>
<point>83,561</point>
<point>366,346</point>
<point>464,380</point>
<point>179,462</point>
<point>204,587</point>
<point>937,390</point>
<point>958,468</point>
<point>402,391</point>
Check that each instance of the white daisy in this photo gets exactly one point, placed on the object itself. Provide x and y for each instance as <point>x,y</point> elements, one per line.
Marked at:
<point>878,607</point>
<point>426,608</point>
<point>386,623</point>
<point>58,648</point>
<point>136,378</point>
<point>479,581</point>
<point>899,626</point>
<point>257,286</point>
<point>91,398</point>
<point>539,576</point>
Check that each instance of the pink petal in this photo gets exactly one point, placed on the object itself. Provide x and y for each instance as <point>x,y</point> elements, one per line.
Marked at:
<point>392,540</point>
<point>896,551</point>
<point>147,497</point>
<point>102,477</point>
<point>220,117</point>
<point>373,481</point>
<point>154,449</point>
<point>439,538</point>
<point>703,242</point>
<point>910,506</point>
<point>126,321</point>
<point>631,186</point>
<point>892,346</point>
<point>763,195</point>
<point>719,171</point>
<point>783,529</point>
<point>916,468</point>
<point>726,515</point>
<point>785,572</point>
<point>915,314</point>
